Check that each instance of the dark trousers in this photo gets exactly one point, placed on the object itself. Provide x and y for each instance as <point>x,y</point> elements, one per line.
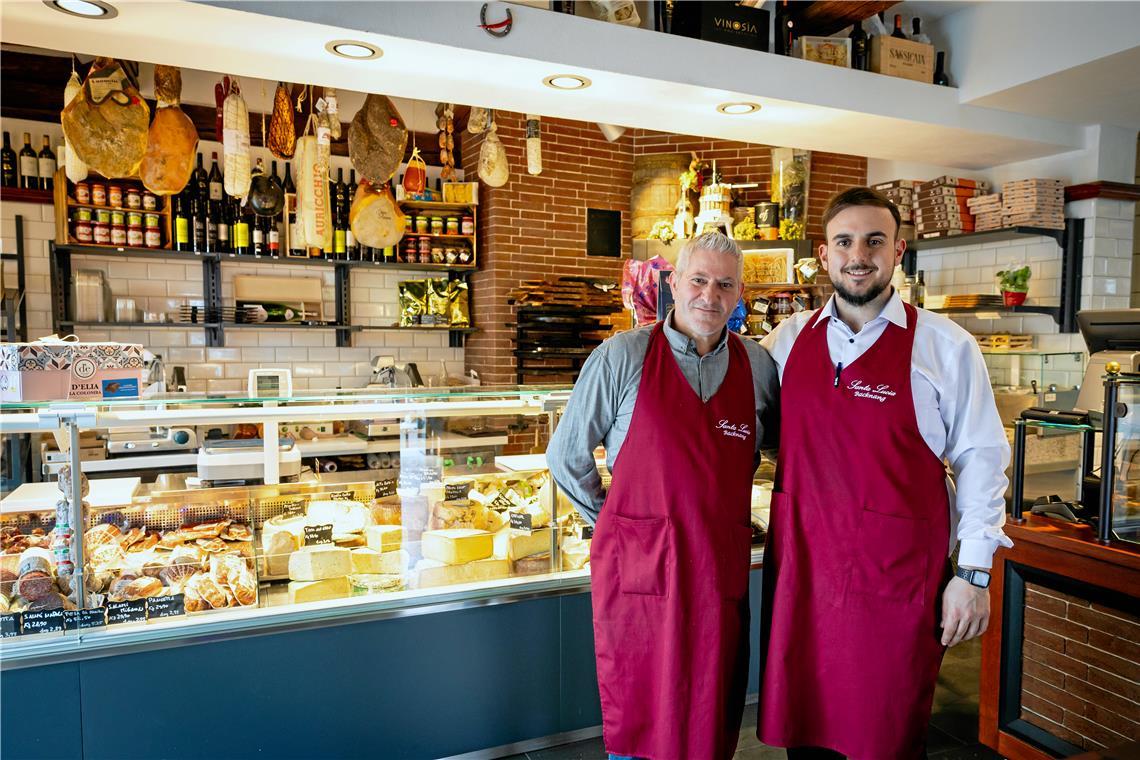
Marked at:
<point>818,753</point>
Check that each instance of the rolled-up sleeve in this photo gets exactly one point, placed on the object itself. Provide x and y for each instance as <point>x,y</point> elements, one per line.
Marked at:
<point>588,417</point>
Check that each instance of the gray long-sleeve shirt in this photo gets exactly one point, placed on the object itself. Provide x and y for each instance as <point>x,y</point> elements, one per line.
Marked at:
<point>601,407</point>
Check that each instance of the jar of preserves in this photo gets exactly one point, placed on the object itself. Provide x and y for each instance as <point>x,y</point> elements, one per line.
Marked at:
<point>437,254</point>
<point>82,192</point>
<point>83,231</point>
<point>81,215</point>
<point>450,255</point>
<point>152,220</point>
<point>780,308</point>
<point>98,194</point>
<point>452,225</point>
<point>115,196</point>
<point>118,234</point>
<point>149,201</point>
<point>134,198</point>
<point>153,237</point>
<point>467,225</point>
<point>103,215</point>
<point>118,217</point>
<point>437,225</point>
<point>422,223</point>
<point>101,233</point>
<point>135,218</point>
<point>409,224</point>
<point>410,251</point>
<point>425,247</point>
<point>135,237</point>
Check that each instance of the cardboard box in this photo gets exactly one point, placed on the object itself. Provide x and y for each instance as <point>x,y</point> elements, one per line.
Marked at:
<point>728,23</point>
<point>834,51</point>
<point>902,58</point>
<point>70,371</point>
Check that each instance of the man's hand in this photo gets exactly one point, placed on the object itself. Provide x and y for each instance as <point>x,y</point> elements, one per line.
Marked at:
<point>965,612</point>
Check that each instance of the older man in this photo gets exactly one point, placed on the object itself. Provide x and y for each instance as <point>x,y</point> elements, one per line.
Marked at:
<point>682,408</point>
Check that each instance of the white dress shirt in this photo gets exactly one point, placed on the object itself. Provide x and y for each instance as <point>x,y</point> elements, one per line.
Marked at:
<point>955,408</point>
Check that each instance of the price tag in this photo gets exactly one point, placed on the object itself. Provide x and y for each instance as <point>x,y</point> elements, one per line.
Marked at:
<point>432,472</point>
<point>44,621</point>
<point>341,496</point>
<point>10,625</point>
<point>165,606</point>
<point>294,508</point>
<point>457,490</point>
<point>386,487</point>
<point>521,521</point>
<point>587,532</point>
<point>95,617</point>
<point>318,534</point>
<point>501,502</point>
<point>126,612</point>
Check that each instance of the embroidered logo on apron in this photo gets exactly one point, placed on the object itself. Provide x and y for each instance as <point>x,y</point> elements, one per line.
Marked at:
<point>740,430</point>
<point>878,393</point>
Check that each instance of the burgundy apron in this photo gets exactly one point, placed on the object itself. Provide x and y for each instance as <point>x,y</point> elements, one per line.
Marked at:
<point>669,566</point>
<point>856,556</point>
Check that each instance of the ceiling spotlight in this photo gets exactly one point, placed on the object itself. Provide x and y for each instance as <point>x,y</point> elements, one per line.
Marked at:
<point>567,82</point>
<point>354,49</point>
<point>736,109</point>
<point>83,8</point>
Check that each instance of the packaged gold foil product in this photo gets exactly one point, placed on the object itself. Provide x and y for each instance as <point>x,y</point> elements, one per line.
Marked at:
<point>438,303</point>
<point>460,305</point>
<point>412,299</point>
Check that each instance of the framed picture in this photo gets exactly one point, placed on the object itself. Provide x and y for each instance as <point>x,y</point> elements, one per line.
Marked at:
<point>834,51</point>
<point>769,266</point>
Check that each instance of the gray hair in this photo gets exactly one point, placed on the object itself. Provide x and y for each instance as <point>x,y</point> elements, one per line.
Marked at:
<point>714,242</point>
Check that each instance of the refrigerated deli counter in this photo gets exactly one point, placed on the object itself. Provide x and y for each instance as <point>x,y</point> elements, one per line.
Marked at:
<point>437,609</point>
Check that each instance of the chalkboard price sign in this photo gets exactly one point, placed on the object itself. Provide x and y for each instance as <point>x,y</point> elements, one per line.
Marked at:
<point>341,496</point>
<point>95,617</point>
<point>521,521</point>
<point>44,621</point>
<point>165,606</point>
<point>10,625</point>
<point>126,612</point>
<point>386,487</point>
<point>318,534</point>
<point>457,490</point>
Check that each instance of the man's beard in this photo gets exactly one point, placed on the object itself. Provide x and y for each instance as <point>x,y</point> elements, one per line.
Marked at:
<point>859,299</point>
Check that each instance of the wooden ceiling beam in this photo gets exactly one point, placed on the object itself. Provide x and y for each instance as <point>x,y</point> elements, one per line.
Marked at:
<point>824,18</point>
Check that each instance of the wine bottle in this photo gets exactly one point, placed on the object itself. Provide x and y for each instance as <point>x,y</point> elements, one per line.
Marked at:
<point>224,224</point>
<point>785,30</point>
<point>182,221</point>
<point>257,229</point>
<point>858,47</point>
<point>11,177</point>
<point>340,217</point>
<point>240,230</point>
<point>29,165</point>
<point>898,33</point>
<point>918,35</point>
<point>940,70</point>
<point>354,249</point>
<point>197,224</point>
<point>200,181</point>
<point>214,180</point>
<point>46,165</point>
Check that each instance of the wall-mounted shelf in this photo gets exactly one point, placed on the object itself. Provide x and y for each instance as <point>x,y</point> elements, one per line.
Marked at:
<point>128,252</point>
<point>986,238</point>
<point>139,325</point>
<point>422,328</point>
<point>1005,311</point>
<point>24,195</point>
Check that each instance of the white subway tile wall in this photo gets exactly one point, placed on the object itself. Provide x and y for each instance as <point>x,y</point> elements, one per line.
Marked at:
<point>162,287</point>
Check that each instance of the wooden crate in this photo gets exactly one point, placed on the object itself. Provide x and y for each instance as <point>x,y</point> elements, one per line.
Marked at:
<point>902,58</point>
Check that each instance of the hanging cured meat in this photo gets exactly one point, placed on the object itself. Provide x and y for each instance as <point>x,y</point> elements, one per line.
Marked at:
<point>106,123</point>
<point>375,218</point>
<point>282,138</point>
<point>445,123</point>
<point>314,227</point>
<point>377,139</point>
<point>75,168</point>
<point>172,140</point>
<point>493,167</point>
<point>235,143</point>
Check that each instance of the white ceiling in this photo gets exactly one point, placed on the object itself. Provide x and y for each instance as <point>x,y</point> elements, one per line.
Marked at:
<point>436,52</point>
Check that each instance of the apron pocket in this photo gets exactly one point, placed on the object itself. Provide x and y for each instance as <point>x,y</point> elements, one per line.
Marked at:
<point>735,561</point>
<point>889,562</point>
<point>644,554</point>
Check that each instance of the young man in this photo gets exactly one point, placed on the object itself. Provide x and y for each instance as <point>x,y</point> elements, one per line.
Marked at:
<point>857,608</point>
<point>681,407</point>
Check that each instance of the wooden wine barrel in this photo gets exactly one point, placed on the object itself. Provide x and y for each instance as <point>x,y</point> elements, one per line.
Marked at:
<point>655,190</point>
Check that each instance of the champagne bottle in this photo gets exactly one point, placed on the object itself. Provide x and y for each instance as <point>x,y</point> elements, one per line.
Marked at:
<point>11,177</point>
<point>29,165</point>
<point>46,165</point>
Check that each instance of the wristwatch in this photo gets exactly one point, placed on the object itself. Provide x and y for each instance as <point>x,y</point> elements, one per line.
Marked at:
<point>979,578</point>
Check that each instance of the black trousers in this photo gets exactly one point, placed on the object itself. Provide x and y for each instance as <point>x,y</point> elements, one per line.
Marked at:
<point>818,753</point>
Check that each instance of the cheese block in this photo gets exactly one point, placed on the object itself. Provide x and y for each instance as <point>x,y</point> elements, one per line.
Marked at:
<point>344,516</point>
<point>513,544</point>
<point>430,573</point>
<point>575,553</point>
<point>384,538</point>
<point>276,548</point>
<point>318,591</point>
<point>535,564</point>
<point>372,561</point>
<point>316,563</point>
<point>456,546</point>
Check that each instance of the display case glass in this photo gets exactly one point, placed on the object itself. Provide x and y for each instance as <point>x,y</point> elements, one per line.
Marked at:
<point>1126,461</point>
<point>1024,379</point>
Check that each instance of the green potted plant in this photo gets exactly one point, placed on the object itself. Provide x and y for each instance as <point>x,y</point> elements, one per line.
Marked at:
<point>1014,284</point>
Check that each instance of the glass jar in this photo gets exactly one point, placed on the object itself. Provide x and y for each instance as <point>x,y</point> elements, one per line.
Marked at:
<point>422,225</point>
<point>98,194</point>
<point>409,224</point>
<point>452,225</point>
<point>82,192</point>
<point>135,237</point>
<point>152,220</point>
<point>425,249</point>
<point>780,308</point>
<point>81,215</point>
<point>135,218</point>
<point>437,256</point>
<point>103,216</point>
<point>118,234</point>
<point>437,225</point>
<point>149,201</point>
<point>467,225</point>
<point>153,237</point>
<point>410,250</point>
<point>83,231</point>
<point>134,198</point>
<point>119,218</point>
<point>451,255</point>
<point>101,233</point>
<point>115,196</point>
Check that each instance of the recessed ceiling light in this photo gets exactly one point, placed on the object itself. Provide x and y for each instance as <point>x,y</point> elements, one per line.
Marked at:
<point>567,82</point>
<point>736,109</point>
<point>83,8</point>
<point>354,49</point>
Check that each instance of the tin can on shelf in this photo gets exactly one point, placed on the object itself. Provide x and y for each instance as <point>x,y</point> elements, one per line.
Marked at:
<point>115,195</point>
<point>467,225</point>
<point>134,198</point>
<point>118,234</point>
<point>118,217</point>
<point>83,232</point>
<point>153,237</point>
<point>103,215</point>
<point>101,233</point>
<point>81,215</point>
<point>98,194</point>
<point>152,220</point>
<point>149,201</point>
<point>82,192</point>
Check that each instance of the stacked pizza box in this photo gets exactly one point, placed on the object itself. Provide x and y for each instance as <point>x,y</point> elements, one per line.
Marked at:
<point>940,208</point>
<point>1034,203</point>
<point>987,211</point>
<point>901,193</point>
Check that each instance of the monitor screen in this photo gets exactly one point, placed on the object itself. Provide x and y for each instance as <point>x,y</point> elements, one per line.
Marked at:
<point>1110,329</point>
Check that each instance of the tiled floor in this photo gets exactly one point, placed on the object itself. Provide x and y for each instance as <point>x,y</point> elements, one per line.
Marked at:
<point>953,724</point>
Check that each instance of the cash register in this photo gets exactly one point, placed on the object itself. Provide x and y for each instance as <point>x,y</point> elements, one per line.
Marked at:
<point>1112,335</point>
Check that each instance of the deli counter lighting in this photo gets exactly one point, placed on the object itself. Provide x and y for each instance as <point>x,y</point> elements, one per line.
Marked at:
<point>567,82</point>
<point>354,49</point>
<point>83,8</point>
<point>738,109</point>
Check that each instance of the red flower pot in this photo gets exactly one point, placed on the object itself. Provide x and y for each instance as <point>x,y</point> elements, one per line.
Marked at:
<point>1012,298</point>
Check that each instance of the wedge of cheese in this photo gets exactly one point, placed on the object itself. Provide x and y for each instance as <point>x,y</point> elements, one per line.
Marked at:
<point>344,516</point>
<point>317,563</point>
<point>575,553</point>
<point>370,561</point>
<point>514,544</point>
<point>384,538</point>
<point>430,573</point>
<point>318,591</point>
<point>457,546</point>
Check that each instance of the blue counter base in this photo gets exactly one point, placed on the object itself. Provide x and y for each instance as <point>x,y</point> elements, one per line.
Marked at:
<point>424,686</point>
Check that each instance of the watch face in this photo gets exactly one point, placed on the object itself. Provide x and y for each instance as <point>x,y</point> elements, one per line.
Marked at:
<point>981,579</point>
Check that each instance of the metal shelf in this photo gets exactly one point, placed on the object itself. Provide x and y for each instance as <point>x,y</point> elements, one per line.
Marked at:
<point>1005,311</point>
<point>421,328</point>
<point>285,326</point>
<point>128,252</point>
<point>989,236</point>
<point>142,325</point>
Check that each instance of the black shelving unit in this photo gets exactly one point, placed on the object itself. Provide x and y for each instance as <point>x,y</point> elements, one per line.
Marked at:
<point>1071,241</point>
<point>212,263</point>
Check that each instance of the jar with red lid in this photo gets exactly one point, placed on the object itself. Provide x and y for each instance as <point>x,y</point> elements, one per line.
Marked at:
<point>98,194</point>
<point>467,225</point>
<point>82,192</point>
<point>82,229</point>
<point>135,237</point>
<point>115,196</point>
<point>153,237</point>
<point>118,234</point>
<point>101,233</point>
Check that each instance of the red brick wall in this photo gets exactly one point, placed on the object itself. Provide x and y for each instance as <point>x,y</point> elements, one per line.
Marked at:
<point>1080,669</point>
